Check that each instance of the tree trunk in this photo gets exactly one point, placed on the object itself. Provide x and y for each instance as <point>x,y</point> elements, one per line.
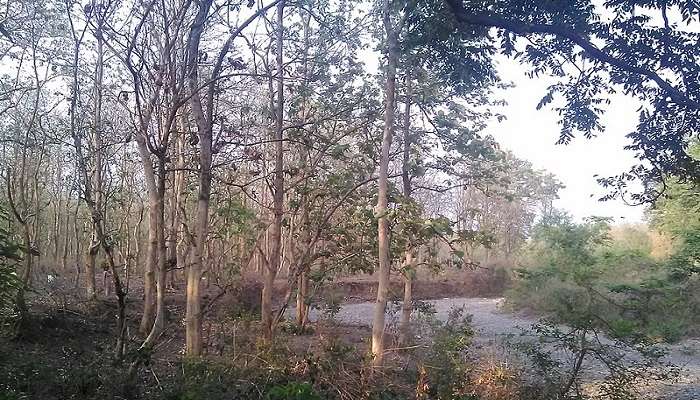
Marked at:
<point>302,314</point>
<point>26,275</point>
<point>408,268</point>
<point>90,263</point>
<point>58,215</point>
<point>193,312</point>
<point>76,254</point>
<point>161,257</point>
<point>91,256</point>
<point>273,264</point>
<point>152,251</point>
<point>407,305</point>
<point>193,319</point>
<point>95,212</point>
<point>66,237</point>
<point>382,202</point>
<point>302,309</point>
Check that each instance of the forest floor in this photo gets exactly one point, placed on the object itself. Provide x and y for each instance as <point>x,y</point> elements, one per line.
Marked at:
<point>70,339</point>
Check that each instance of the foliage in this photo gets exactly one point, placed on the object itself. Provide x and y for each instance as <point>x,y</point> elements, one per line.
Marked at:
<point>594,50</point>
<point>447,360</point>
<point>292,391</point>
<point>9,282</point>
<point>578,276</point>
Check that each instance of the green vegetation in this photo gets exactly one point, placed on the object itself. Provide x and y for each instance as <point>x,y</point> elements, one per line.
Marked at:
<point>9,282</point>
<point>593,274</point>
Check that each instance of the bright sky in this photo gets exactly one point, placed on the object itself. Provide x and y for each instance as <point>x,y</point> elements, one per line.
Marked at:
<point>531,134</point>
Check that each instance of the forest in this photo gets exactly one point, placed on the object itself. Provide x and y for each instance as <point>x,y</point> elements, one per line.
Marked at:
<point>305,200</point>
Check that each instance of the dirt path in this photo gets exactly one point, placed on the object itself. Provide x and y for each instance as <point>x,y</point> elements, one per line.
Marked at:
<point>490,322</point>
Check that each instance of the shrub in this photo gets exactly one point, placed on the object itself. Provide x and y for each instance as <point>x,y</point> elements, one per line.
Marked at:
<point>574,272</point>
<point>559,357</point>
<point>9,283</point>
<point>292,391</point>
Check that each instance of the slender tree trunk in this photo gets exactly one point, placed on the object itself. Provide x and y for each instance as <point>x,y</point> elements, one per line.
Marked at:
<point>20,210</point>
<point>20,300</point>
<point>408,268</point>
<point>278,188</point>
<point>36,231</point>
<point>77,252</point>
<point>66,236</point>
<point>26,276</point>
<point>173,232</point>
<point>161,265</point>
<point>180,200</point>
<point>193,319</point>
<point>137,245</point>
<point>152,251</point>
<point>407,305</point>
<point>95,212</point>
<point>91,256</point>
<point>382,202</point>
<point>90,262</point>
<point>302,314</point>
<point>58,216</point>
<point>302,300</point>
<point>193,311</point>
<point>302,309</point>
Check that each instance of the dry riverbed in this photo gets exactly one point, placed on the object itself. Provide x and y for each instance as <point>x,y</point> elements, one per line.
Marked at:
<point>492,323</point>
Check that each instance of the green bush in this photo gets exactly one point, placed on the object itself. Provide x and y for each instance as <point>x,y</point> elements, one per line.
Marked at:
<point>9,283</point>
<point>576,273</point>
<point>292,391</point>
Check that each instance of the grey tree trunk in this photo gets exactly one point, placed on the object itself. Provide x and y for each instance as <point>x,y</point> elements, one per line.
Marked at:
<point>275,244</point>
<point>408,267</point>
<point>384,269</point>
<point>193,309</point>
<point>407,305</point>
<point>152,251</point>
<point>93,249</point>
<point>161,257</point>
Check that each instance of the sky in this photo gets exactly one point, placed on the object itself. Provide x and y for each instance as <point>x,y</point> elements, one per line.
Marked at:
<point>531,134</point>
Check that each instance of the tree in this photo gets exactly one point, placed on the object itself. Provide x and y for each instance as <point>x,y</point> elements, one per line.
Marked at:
<point>392,56</point>
<point>413,43</point>
<point>205,119</point>
<point>642,51</point>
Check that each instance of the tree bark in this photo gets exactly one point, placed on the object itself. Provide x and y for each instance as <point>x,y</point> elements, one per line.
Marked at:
<point>20,300</point>
<point>66,236</point>
<point>407,305</point>
<point>408,268</point>
<point>274,257</point>
<point>302,300</point>
<point>93,249</point>
<point>76,229</point>
<point>193,317</point>
<point>152,251</point>
<point>161,257</point>
<point>95,212</point>
<point>382,202</point>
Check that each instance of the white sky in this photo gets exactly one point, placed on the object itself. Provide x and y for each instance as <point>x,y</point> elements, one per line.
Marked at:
<point>531,134</point>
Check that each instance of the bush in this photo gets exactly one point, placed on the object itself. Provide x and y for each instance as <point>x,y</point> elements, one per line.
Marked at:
<point>560,356</point>
<point>575,272</point>
<point>9,282</point>
<point>292,391</point>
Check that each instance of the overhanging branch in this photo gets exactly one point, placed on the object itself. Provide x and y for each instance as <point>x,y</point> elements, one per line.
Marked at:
<point>465,17</point>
